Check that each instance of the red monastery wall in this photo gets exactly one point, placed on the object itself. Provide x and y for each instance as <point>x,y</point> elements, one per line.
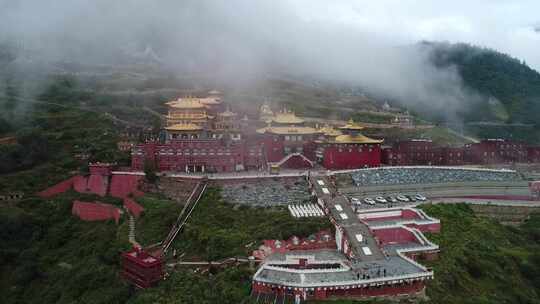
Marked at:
<point>398,235</point>
<point>340,157</point>
<point>95,211</point>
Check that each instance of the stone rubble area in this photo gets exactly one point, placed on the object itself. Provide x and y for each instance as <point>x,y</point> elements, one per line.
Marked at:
<point>398,176</point>
<point>267,192</point>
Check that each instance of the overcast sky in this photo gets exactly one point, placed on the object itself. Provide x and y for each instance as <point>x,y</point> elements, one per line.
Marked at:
<point>505,25</point>
<point>354,41</point>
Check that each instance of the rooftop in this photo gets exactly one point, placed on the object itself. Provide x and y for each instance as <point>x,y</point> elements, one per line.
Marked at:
<point>352,125</point>
<point>330,131</point>
<point>356,139</point>
<point>288,130</point>
<point>369,264</point>
<point>184,127</point>
<point>186,103</point>
<point>287,118</point>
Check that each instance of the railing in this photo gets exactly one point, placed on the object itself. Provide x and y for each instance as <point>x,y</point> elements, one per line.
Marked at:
<point>412,276</point>
<point>343,268</point>
<point>197,192</point>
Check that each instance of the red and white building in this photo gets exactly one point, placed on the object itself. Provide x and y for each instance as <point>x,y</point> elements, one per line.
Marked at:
<point>375,256</point>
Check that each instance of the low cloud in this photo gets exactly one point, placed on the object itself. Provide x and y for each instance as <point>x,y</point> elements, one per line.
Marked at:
<point>349,42</point>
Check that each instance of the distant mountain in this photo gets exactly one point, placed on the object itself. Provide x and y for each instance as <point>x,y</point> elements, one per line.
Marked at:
<point>511,88</point>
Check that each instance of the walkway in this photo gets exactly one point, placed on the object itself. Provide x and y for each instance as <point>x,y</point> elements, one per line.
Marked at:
<point>345,217</point>
<point>131,231</point>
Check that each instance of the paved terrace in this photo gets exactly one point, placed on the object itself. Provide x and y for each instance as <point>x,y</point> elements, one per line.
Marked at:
<point>394,267</point>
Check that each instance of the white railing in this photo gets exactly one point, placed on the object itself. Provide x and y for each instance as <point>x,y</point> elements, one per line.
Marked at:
<point>412,276</point>
<point>343,268</point>
<point>422,167</point>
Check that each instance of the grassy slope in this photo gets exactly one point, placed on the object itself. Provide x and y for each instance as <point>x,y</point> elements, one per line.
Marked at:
<point>50,256</point>
<point>481,261</point>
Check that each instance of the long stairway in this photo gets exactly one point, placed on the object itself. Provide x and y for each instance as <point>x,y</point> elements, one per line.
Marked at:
<point>131,231</point>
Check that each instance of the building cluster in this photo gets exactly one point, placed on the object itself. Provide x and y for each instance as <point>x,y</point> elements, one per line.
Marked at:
<point>418,152</point>
<point>204,135</point>
<point>375,254</point>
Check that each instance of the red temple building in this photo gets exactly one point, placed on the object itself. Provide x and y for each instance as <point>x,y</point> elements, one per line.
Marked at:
<point>410,152</point>
<point>205,135</point>
<point>141,268</point>
<point>199,137</point>
<point>348,148</point>
<point>496,151</point>
<point>422,152</point>
<point>375,255</point>
<point>288,141</point>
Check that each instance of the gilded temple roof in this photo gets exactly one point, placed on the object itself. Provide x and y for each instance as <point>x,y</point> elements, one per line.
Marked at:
<point>184,127</point>
<point>287,118</point>
<point>352,125</point>
<point>288,130</point>
<point>355,139</point>
<point>330,131</point>
<point>186,103</point>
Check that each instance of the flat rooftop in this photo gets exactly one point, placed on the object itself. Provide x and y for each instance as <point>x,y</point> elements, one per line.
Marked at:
<point>370,263</point>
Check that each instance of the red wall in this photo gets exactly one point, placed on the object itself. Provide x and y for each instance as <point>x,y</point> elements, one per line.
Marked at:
<point>125,185</point>
<point>95,211</point>
<point>394,236</point>
<point>342,156</point>
<point>320,294</point>
<point>273,147</point>
<point>432,228</point>
<point>214,154</point>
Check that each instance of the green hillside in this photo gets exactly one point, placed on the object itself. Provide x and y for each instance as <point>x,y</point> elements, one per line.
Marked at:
<point>496,76</point>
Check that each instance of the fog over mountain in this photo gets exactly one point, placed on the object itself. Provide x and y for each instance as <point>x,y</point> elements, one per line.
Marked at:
<point>352,42</point>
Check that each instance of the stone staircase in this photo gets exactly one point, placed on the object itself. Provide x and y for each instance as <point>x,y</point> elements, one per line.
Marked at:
<point>131,231</point>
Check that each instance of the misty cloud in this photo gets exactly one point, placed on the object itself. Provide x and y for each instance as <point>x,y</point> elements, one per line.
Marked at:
<point>354,42</point>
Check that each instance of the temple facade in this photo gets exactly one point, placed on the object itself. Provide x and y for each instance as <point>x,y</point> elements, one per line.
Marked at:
<point>347,148</point>
<point>205,135</point>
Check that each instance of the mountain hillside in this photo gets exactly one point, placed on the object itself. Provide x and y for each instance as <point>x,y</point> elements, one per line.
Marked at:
<point>511,87</point>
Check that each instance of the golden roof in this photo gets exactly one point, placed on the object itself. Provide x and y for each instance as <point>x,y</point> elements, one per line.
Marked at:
<point>356,139</point>
<point>329,131</point>
<point>210,100</point>
<point>288,130</point>
<point>186,103</point>
<point>184,127</point>
<point>352,125</point>
<point>227,113</point>
<point>183,115</point>
<point>287,118</point>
